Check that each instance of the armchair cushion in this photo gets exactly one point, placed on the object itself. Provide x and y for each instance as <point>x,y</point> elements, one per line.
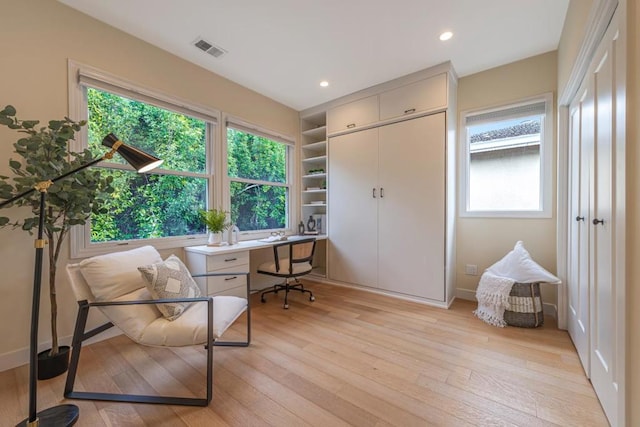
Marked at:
<point>191,327</point>
<point>170,279</point>
<point>113,275</point>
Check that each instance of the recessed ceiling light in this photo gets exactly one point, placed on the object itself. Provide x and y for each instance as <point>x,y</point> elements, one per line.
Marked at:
<point>324,83</point>
<point>446,35</point>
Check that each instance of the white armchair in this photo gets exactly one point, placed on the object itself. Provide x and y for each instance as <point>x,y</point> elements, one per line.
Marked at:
<point>147,312</point>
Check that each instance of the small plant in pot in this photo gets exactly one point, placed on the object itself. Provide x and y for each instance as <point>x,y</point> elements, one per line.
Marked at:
<point>216,222</point>
<point>42,154</point>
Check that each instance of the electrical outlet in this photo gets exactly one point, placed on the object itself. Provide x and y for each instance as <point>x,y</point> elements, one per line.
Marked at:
<point>471,270</point>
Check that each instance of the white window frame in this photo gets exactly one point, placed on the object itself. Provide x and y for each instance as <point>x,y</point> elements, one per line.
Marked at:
<point>546,161</point>
<point>289,142</point>
<point>79,77</point>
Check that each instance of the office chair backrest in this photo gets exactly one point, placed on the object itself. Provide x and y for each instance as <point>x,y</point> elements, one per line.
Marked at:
<point>300,252</point>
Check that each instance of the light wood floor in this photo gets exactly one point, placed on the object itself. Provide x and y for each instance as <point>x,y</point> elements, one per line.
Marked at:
<point>349,358</point>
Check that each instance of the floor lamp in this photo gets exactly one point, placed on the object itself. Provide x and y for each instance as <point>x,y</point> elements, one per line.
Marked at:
<point>64,415</point>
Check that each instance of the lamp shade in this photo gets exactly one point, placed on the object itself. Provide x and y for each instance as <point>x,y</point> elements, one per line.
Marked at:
<point>138,159</point>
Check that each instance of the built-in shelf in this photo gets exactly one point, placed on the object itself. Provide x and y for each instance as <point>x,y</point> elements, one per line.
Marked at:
<point>317,159</point>
<point>315,175</point>
<point>313,187</point>
<point>316,146</point>
<point>317,132</point>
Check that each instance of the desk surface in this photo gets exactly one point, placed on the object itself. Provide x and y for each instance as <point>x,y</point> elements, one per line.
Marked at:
<point>246,245</point>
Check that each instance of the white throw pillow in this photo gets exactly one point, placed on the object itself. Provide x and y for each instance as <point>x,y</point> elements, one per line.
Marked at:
<point>519,266</point>
<point>170,279</point>
<point>112,275</point>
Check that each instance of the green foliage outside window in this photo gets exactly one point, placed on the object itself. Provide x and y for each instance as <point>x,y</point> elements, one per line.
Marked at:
<point>151,205</point>
<point>253,163</point>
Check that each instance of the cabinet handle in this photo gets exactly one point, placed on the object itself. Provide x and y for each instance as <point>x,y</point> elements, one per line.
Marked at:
<point>231,278</point>
<point>230,259</point>
<point>410,110</point>
<point>351,125</point>
<point>381,192</point>
<point>579,218</point>
<point>597,221</point>
<point>374,193</point>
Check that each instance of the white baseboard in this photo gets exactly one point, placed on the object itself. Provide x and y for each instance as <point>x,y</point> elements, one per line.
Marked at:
<point>20,357</point>
<point>470,295</point>
<point>420,300</point>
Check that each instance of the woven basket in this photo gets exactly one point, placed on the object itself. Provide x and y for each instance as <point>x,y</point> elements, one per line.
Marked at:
<point>526,306</point>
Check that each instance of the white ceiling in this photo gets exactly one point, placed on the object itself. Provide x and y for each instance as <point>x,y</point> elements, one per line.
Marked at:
<point>284,48</point>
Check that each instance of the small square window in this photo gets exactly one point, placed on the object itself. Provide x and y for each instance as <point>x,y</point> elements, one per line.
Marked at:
<point>507,161</point>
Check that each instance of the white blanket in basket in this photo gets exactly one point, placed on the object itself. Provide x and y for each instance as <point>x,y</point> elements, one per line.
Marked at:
<point>493,298</point>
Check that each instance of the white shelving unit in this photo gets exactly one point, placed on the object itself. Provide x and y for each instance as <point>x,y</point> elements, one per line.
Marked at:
<point>313,198</point>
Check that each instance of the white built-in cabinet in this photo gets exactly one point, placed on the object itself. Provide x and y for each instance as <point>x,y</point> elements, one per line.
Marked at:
<point>390,200</point>
<point>423,95</point>
<point>595,285</point>
<point>387,224</point>
<point>353,114</point>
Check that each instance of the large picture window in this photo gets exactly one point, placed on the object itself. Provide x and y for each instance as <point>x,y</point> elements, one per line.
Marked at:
<point>259,182</point>
<point>160,206</point>
<point>507,160</point>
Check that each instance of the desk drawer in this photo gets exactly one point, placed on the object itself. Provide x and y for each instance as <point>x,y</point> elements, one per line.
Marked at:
<point>218,284</point>
<point>235,259</point>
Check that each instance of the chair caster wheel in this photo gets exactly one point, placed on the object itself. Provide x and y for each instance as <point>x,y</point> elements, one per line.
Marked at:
<point>286,306</point>
<point>312,298</point>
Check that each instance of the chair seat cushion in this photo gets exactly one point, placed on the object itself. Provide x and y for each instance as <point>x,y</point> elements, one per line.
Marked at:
<point>191,327</point>
<point>270,267</point>
<point>170,279</point>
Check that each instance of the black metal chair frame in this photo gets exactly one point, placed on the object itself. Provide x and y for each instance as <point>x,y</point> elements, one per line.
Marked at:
<point>286,286</point>
<point>79,336</point>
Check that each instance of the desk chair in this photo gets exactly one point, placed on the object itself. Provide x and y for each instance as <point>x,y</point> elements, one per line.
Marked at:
<point>290,261</point>
<point>116,285</point>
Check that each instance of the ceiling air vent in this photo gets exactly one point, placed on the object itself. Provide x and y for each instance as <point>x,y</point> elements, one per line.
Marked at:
<point>209,48</point>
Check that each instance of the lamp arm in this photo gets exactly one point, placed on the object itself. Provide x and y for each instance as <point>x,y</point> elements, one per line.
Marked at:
<point>42,186</point>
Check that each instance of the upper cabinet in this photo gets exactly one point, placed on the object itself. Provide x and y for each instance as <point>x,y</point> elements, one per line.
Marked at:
<point>412,99</point>
<point>353,114</point>
<point>424,95</point>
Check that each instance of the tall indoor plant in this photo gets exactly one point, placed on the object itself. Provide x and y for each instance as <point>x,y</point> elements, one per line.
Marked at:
<point>43,153</point>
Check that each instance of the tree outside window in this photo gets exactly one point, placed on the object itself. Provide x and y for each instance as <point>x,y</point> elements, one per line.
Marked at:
<point>164,203</point>
<point>258,181</point>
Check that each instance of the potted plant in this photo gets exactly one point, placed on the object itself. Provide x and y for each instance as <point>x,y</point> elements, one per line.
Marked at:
<point>216,222</point>
<point>43,154</point>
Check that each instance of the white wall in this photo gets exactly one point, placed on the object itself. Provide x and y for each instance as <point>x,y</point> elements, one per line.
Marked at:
<point>483,241</point>
<point>39,36</point>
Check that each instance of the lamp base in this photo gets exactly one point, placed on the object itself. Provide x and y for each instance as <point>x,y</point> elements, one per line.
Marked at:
<point>61,415</point>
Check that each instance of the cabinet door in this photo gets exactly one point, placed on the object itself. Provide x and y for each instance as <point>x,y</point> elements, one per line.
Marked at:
<point>411,210</point>
<point>353,218</point>
<point>424,95</point>
<point>354,114</point>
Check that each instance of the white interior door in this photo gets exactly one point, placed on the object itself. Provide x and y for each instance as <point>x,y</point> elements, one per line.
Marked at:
<point>603,292</point>
<point>353,208</point>
<point>411,208</point>
<point>581,152</point>
<point>596,318</point>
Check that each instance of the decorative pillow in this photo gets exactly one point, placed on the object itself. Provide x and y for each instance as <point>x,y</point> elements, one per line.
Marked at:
<point>170,279</point>
<point>519,266</point>
<point>112,275</point>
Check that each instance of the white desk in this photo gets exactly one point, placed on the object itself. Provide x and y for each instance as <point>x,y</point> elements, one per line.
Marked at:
<point>232,259</point>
